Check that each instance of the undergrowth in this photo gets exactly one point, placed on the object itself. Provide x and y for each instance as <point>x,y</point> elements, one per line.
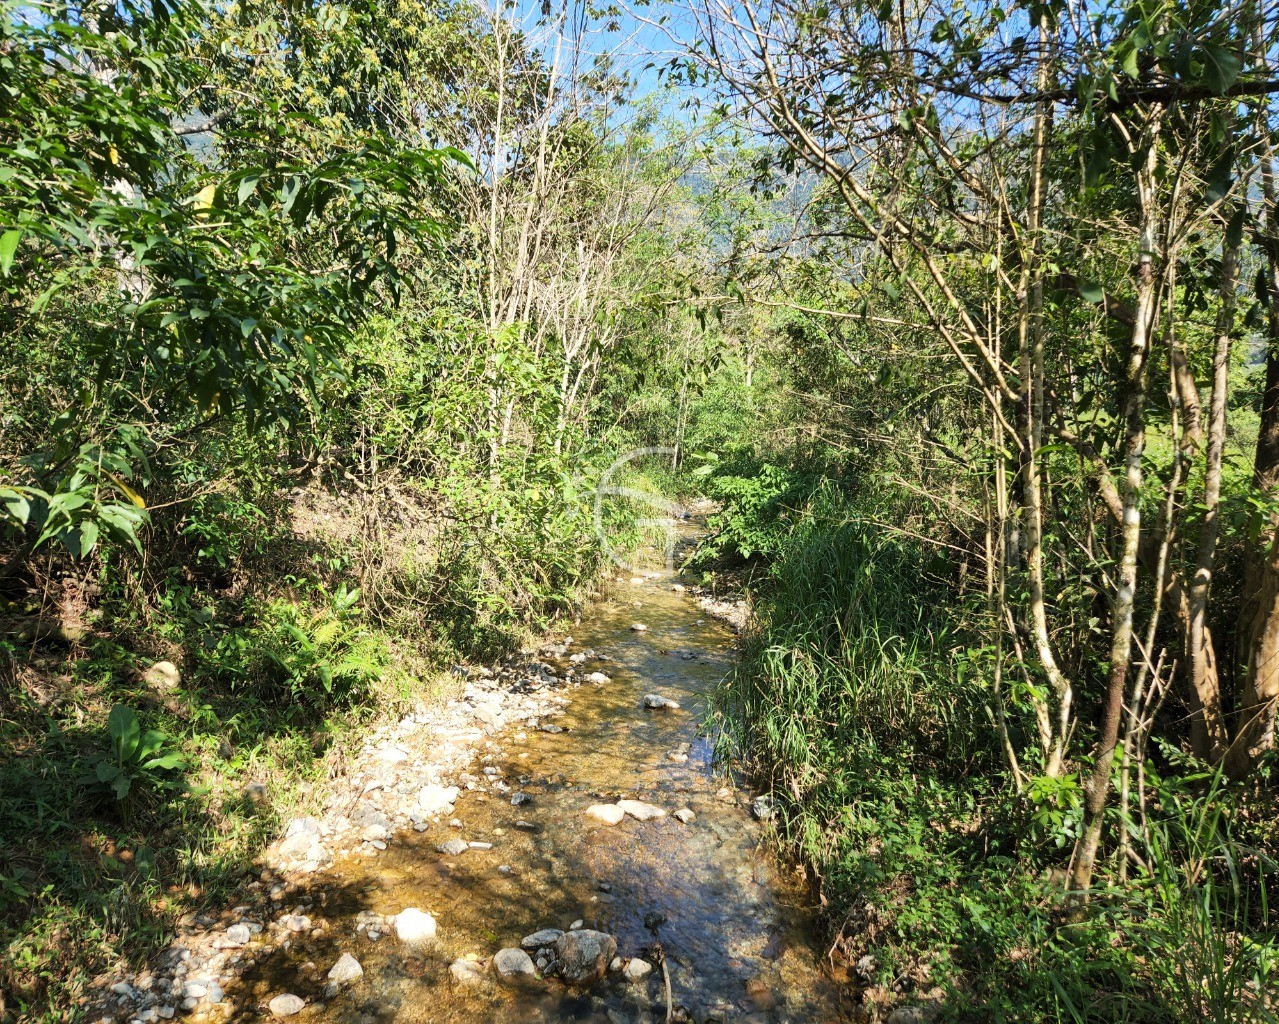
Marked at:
<point>862,700</point>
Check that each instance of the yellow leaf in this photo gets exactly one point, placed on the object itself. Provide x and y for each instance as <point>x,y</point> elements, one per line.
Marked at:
<point>113,155</point>
<point>126,490</point>
<point>204,198</point>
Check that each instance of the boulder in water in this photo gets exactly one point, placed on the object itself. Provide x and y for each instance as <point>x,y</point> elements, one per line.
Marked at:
<point>609,814</point>
<point>513,964</point>
<point>584,955</point>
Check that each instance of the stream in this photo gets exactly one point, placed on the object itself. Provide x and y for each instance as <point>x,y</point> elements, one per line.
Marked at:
<point>734,936</point>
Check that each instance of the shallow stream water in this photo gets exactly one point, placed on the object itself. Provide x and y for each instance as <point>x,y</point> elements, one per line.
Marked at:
<point>736,943</point>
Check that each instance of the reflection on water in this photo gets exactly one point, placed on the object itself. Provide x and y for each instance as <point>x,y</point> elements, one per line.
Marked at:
<point>735,948</point>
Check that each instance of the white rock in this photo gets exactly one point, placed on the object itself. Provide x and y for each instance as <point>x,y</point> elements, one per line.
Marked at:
<point>639,627</point>
<point>641,811</point>
<point>657,701</point>
<point>296,922</point>
<point>466,973</point>
<point>637,968</point>
<point>685,815</point>
<point>598,677</point>
<point>346,970</point>
<point>513,964</point>
<point>609,814</point>
<point>238,934</point>
<point>577,925</point>
<point>413,925</point>
<point>435,799</point>
<point>286,1005</point>
<point>163,675</point>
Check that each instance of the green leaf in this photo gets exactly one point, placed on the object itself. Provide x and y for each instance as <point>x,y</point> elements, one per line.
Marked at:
<point>1091,291</point>
<point>125,731</point>
<point>152,740</point>
<point>120,787</point>
<point>15,504</point>
<point>1221,68</point>
<point>1130,62</point>
<point>8,246</point>
<point>106,771</point>
<point>247,184</point>
<point>1219,176</point>
<point>88,536</point>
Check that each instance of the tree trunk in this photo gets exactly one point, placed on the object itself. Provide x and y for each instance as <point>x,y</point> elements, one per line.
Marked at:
<point>1031,420</point>
<point>1207,726</point>
<point>1097,787</point>
<point>1255,728</point>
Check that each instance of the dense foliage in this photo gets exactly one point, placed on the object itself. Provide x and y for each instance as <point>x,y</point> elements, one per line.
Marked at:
<point>320,322</point>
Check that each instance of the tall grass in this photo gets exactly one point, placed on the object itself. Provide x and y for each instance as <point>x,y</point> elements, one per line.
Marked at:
<point>853,659</point>
<point>862,699</point>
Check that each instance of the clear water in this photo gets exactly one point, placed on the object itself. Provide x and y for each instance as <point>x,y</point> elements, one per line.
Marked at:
<point>736,943</point>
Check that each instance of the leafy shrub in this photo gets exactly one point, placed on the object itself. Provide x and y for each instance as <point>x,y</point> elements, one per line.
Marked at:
<point>136,760</point>
<point>760,505</point>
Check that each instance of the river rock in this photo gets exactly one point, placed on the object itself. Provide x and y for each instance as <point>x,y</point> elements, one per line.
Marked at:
<point>375,832</point>
<point>584,955</point>
<point>513,964</point>
<point>685,815</point>
<point>599,678</point>
<point>346,970</point>
<point>609,814</point>
<point>638,627</point>
<point>296,922</point>
<point>286,1005</point>
<point>163,676</point>
<point>466,973</point>
<point>637,969</point>
<point>413,925</point>
<point>762,807</point>
<point>238,935</point>
<point>539,939</point>
<point>655,701</point>
<point>453,847</point>
<point>641,811</point>
<point>435,799</point>
<point>909,1015</point>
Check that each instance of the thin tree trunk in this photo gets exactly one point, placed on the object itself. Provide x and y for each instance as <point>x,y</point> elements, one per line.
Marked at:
<point>1097,787</point>
<point>1031,416</point>
<point>1207,726</point>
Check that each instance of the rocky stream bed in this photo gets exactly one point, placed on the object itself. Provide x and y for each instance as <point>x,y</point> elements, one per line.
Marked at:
<point>553,845</point>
